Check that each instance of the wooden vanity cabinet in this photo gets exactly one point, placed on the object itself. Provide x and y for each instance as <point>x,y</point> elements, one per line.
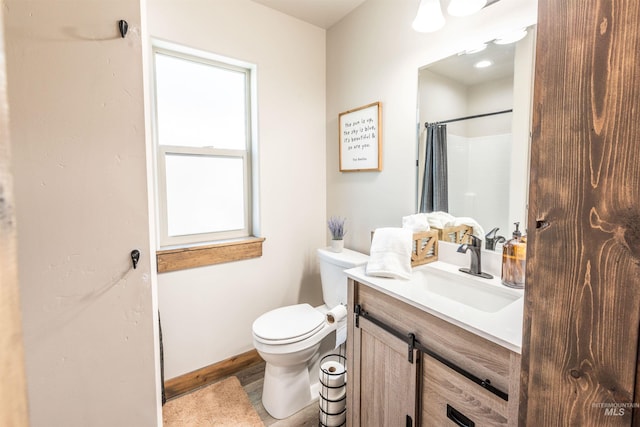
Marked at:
<point>391,384</point>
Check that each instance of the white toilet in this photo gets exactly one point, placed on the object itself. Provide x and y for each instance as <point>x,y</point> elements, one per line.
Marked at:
<point>291,339</point>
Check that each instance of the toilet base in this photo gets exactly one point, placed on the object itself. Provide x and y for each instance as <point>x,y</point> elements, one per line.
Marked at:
<point>287,390</point>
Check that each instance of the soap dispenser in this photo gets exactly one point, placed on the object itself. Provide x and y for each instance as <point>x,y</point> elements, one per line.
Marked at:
<point>514,253</point>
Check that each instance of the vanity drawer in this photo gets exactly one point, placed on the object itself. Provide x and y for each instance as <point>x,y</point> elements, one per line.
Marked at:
<point>449,396</point>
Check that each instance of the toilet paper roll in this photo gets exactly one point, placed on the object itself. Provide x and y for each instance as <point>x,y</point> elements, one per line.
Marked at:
<point>333,420</point>
<point>336,314</point>
<point>332,374</point>
<point>333,408</point>
<point>329,395</point>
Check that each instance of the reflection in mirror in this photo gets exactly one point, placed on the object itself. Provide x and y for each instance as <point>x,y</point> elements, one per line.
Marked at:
<point>473,148</point>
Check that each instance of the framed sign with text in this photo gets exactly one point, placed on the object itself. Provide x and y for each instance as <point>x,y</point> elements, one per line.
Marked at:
<point>360,138</point>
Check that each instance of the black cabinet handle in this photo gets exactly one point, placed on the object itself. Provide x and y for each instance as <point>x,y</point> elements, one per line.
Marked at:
<point>457,417</point>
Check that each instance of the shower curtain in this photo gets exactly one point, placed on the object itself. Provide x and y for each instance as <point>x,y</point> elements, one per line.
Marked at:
<point>432,168</point>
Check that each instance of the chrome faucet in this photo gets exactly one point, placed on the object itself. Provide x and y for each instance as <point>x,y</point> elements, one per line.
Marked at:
<point>492,239</point>
<point>475,246</point>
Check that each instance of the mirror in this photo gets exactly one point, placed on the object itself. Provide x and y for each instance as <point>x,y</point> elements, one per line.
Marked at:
<point>487,113</point>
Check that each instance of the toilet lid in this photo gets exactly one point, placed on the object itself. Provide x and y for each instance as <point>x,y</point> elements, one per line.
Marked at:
<point>288,324</point>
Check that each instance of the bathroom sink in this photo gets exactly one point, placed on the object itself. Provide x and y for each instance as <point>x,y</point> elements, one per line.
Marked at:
<point>481,294</point>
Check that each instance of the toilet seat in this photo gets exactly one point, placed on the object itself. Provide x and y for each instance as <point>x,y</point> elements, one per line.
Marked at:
<point>286,325</point>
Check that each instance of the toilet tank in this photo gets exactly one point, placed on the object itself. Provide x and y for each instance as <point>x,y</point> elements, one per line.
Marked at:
<point>334,280</point>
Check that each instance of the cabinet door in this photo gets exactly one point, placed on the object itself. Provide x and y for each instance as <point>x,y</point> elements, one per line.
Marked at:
<point>385,382</point>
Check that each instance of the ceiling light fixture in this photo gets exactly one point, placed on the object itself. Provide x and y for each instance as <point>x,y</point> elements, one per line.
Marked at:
<point>483,64</point>
<point>429,17</point>
<point>465,7</point>
<point>511,37</point>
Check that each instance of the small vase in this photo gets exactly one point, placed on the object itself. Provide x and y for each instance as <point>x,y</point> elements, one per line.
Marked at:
<point>337,245</point>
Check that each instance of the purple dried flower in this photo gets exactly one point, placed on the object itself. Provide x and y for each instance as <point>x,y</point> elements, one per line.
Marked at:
<point>336,227</point>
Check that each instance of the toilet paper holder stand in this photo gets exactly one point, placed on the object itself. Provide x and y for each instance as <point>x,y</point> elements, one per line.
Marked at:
<point>333,396</point>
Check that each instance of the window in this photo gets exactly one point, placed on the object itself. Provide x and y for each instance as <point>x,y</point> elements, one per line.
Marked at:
<point>203,138</point>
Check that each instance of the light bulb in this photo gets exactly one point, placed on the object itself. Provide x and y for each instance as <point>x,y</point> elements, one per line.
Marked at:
<point>465,7</point>
<point>429,17</point>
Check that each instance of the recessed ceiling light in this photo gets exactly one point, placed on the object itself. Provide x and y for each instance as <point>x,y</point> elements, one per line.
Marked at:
<point>483,64</point>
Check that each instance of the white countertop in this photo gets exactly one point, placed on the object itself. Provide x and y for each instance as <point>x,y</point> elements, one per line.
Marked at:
<point>501,325</point>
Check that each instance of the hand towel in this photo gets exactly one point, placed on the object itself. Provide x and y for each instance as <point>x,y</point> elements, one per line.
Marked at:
<point>390,253</point>
<point>416,223</point>
<point>440,219</point>
<point>478,231</point>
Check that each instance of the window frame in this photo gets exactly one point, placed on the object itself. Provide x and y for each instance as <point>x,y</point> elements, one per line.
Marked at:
<point>247,155</point>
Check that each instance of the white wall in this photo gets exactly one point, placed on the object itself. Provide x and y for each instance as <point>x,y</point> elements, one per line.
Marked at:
<point>487,195</point>
<point>207,312</point>
<point>78,142</point>
<point>374,55</point>
<point>479,179</point>
<point>495,95</point>
<point>441,98</point>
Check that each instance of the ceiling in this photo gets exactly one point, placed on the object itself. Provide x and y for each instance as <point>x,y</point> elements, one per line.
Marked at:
<point>321,13</point>
<point>326,13</point>
<point>461,67</point>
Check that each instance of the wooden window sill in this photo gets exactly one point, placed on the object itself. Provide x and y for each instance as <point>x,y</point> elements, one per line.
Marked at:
<point>200,256</point>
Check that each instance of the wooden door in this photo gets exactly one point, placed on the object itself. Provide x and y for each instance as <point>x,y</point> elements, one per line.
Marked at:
<point>385,383</point>
<point>580,342</point>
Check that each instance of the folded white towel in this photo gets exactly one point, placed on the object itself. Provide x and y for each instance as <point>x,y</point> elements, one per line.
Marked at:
<point>478,231</point>
<point>390,253</point>
<point>417,222</point>
<point>440,219</point>
<point>444,220</point>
